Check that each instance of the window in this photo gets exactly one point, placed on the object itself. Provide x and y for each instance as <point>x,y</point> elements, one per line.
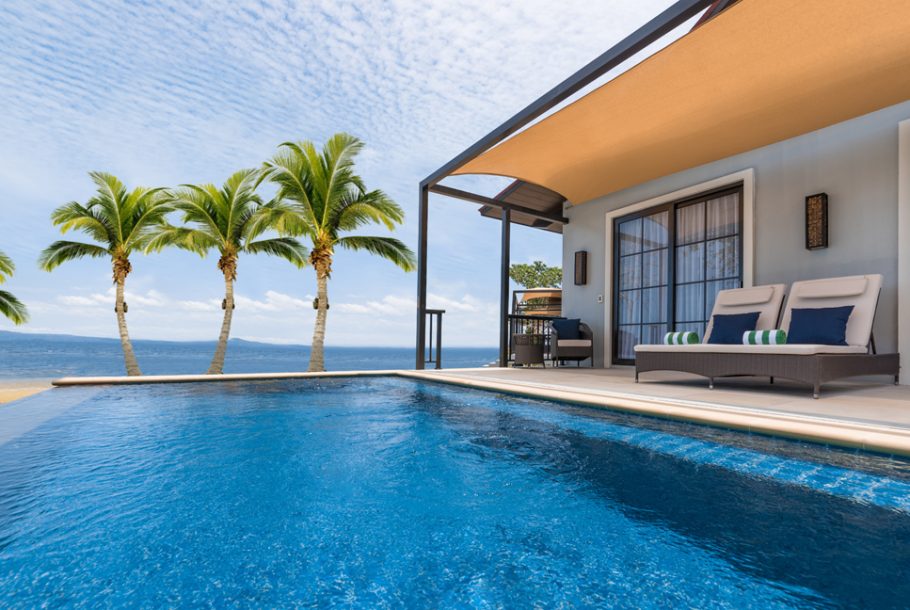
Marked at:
<point>669,264</point>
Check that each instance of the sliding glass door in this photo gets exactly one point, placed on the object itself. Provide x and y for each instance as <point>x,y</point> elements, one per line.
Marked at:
<point>669,264</point>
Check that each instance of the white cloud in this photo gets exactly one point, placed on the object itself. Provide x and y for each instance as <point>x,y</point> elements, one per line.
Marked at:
<point>387,306</point>
<point>273,302</point>
<point>202,306</point>
<point>393,305</point>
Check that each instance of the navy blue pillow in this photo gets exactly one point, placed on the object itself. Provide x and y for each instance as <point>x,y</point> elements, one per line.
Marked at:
<point>824,326</point>
<point>567,329</point>
<point>728,329</point>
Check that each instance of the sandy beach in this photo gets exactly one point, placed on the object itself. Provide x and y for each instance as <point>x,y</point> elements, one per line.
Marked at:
<point>11,390</point>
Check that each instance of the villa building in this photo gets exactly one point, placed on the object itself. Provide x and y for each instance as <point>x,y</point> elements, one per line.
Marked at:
<point>769,144</point>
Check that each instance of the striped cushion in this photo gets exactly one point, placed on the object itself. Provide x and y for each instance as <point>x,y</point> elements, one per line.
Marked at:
<point>681,338</point>
<point>764,337</point>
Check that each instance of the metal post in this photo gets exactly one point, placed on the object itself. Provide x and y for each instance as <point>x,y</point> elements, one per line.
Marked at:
<point>429,357</point>
<point>439,340</point>
<point>424,205</point>
<point>504,289</point>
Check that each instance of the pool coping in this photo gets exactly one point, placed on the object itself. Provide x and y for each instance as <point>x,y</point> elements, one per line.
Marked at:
<point>831,431</point>
<point>152,379</point>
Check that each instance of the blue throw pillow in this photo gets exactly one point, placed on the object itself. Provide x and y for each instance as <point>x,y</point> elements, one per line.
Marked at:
<point>567,329</point>
<point>728,329</point>
<point>824,326</point>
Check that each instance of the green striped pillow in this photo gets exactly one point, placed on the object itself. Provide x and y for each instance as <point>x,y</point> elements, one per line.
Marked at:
<point>764,337</point>
<point>681,338</point>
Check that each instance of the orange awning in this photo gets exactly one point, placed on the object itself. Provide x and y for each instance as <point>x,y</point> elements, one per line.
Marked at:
<point>760,72</point>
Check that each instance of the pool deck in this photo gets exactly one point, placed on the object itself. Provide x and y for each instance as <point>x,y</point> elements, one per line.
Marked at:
<point>872,415</point>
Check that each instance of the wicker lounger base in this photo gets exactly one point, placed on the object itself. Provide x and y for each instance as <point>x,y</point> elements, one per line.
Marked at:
<point>814,369</point>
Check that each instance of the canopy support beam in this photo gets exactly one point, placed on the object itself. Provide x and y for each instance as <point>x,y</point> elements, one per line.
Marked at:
<point>498,203</point>
<point>422,223</point>
<point>504,288</point>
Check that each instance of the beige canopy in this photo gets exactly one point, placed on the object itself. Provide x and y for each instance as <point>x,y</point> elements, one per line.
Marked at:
<point>760,72</point>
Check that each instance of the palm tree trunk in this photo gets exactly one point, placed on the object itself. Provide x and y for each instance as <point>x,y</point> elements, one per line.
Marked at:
<point>317,352</point>
<point>129,358</point>
<point>217,366</point>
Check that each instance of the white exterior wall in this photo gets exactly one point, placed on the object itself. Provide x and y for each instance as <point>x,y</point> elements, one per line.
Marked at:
<point>855,162</point>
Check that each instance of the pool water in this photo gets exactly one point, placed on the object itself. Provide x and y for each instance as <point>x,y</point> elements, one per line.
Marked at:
<point>386,492</point>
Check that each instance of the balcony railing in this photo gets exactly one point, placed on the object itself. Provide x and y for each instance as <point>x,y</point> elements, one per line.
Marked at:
<point>530,325</point>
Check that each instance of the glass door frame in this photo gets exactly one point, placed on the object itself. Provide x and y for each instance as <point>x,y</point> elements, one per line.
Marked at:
<point>671,208</point>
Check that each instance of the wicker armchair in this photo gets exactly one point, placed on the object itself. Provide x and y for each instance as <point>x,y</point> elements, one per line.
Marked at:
<point>572,349</point>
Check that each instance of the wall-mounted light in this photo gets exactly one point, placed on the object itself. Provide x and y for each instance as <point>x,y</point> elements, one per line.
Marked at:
<point>581,268</point>
<point>817,221</point>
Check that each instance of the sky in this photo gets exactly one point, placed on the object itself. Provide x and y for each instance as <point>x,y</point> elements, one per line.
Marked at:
<point>172,92</point>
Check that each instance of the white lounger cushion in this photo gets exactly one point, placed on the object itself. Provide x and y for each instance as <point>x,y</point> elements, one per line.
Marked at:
<point>861,291</point>
<point>766,300</point>
<point>786,349</point>
<point>745,296</point>
<point>574,343</point>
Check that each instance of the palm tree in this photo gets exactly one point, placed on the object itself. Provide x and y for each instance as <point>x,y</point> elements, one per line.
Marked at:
<point>121,222</point>
<point>228,220</point>
<point>327,198</point>
<point>10,306</point>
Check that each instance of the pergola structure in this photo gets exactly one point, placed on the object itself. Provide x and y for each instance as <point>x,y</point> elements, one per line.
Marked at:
<point>665,22</point>
<point>761,72</point>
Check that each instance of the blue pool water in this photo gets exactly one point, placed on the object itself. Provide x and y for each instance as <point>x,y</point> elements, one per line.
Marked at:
<point>386,492</point>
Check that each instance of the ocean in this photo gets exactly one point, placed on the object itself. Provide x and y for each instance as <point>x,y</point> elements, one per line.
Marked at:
<point>36,356</point>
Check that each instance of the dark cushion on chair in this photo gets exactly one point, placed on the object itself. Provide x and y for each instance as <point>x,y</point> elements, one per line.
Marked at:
<point>823,326</point>
<point>728,329</point>
<point>567,329</point>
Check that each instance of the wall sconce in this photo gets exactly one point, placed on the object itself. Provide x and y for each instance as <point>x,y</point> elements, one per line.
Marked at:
<point>817,221</point>
<point>581,268</point>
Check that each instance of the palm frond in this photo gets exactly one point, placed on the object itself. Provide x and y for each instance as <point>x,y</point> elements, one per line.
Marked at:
<point>290,171</point>
<point>278,216</point>
<point>239,192</point>
<point>90,220</point>
<point>119,220</point>
<point>12,308</point>
<point>388,248</point>
<point>109,197</point>
<point>323,190</point>
<point>336,176</point>
<point>62,251</point>
<point>372,207</point>
<point>185,238</point>
<point>7,267</point>
<point>215,217</point>
<point>145,210</point>
<point>199,207</point>
<point>287,248</point>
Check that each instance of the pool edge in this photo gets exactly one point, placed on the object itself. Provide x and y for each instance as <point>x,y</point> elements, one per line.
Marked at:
<point>842,433</point>
<point>154,379</point>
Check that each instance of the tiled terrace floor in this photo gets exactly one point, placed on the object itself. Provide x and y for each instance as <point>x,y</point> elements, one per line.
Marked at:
<point>871,400</point>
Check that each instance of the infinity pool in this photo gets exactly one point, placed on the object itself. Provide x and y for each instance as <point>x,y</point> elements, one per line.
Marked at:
<point>386,492</point>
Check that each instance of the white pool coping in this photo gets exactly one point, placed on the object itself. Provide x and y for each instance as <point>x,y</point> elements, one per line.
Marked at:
<point>893,439</point>
<point>150,379</point>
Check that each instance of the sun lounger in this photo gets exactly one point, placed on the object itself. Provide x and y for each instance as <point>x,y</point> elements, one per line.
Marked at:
<point>811,364</point>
